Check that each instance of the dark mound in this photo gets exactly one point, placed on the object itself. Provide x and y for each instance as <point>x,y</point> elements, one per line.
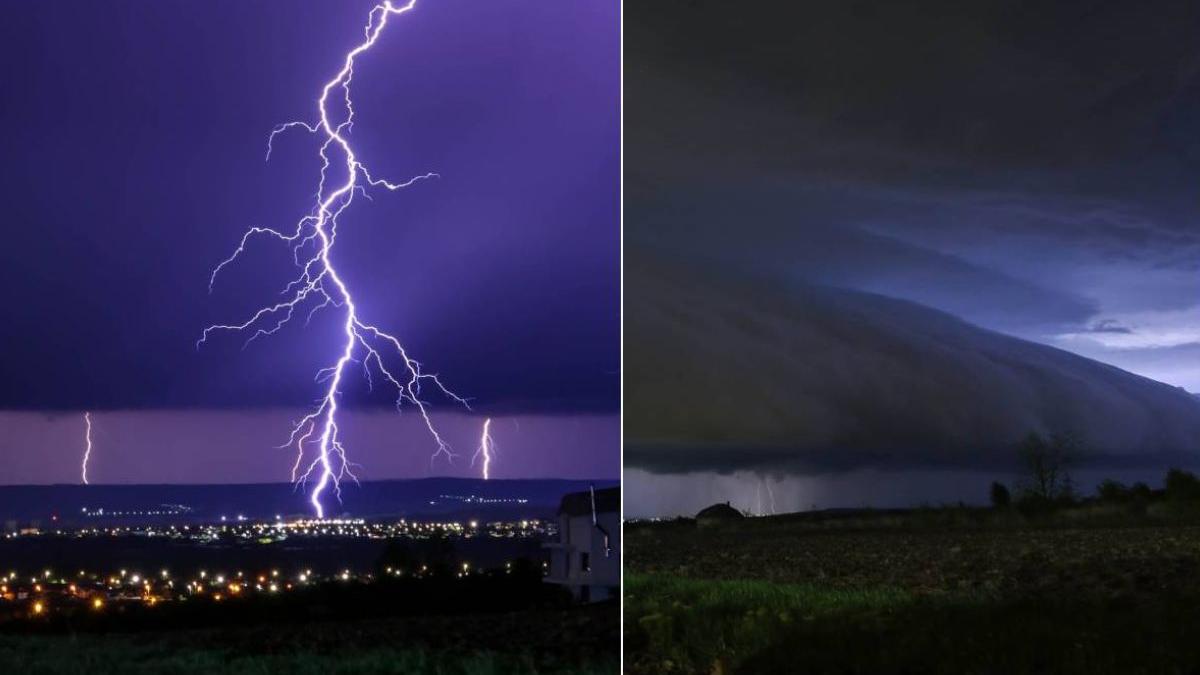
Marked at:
<point>718,513</point>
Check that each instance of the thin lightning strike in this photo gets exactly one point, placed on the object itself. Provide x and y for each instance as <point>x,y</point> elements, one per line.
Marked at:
<point>319,285</point>
<point>596,523</point>
<point>486,449</point>
<point>87,437</point>
<point>761,509</point>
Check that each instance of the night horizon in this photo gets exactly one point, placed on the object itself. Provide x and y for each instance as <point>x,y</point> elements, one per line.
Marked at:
<point>311,336</point>
<point>499,275</point>
<point>912,337</point>
<point>530,337</point>
<point>202,446</point>
<point>910,258</point>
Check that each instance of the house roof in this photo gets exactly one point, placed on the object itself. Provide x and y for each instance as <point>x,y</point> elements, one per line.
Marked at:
<point>719,511</point>
<point>608,500</point>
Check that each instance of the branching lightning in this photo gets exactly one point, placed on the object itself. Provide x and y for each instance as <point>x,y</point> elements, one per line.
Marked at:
<point>486,450</point>
<point>87,451</point>
<point>760,510</point>
<point>316,437</point>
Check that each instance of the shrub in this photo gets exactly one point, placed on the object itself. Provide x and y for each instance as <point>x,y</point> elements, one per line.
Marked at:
<point>1182,486</point>
<point>1140,492</point>
<point>1113,491</point>
<point>1032,504</point>
<point>1001,499</point>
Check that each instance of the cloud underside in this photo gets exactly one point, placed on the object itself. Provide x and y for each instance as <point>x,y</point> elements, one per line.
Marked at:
<point>725,373</point>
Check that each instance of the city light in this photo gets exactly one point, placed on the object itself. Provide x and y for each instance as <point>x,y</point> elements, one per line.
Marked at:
<point>98,590</point>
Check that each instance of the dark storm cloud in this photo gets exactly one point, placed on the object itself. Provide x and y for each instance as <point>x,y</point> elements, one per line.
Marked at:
<point>1073,120</point>
<point>998,83</point>
<point>1030,167</point>
<point>821,235</point>
<point>134,160</point>
<point>728,374</point>
<point>1109,326</point>
<point>240,446</point>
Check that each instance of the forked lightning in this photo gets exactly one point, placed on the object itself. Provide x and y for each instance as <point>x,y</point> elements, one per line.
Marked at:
<point>316,437</point>
<point>486,449</point>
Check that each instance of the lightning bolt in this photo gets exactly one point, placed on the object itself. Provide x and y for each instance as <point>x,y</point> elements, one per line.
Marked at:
<point>316,437</point>
<point>87,437</point>
<point>486,448</point>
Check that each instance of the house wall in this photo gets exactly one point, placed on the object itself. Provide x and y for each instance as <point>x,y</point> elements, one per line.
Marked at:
<point>580,537</point>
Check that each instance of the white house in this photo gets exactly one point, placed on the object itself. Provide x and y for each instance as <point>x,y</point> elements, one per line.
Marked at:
<point>586,558</point>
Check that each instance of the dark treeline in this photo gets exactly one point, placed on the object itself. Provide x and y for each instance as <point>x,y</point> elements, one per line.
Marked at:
<point>1046,483</point>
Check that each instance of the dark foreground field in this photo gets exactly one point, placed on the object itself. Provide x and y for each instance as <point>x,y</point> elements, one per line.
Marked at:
<point>954,592</point>
<point>580,640</point>
<point>441,627</point>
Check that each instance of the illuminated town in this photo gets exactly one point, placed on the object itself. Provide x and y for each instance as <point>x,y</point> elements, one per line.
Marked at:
<point>265,533</point>
<point>35,593</point>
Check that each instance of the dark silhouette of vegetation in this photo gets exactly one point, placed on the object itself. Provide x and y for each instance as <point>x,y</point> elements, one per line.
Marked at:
<point>1110,490</point>
<point>1141,492</point>
<point>1000,496</point>
<point>1182,486</point>
<point>1046,462</point>
<point>1049,491</point>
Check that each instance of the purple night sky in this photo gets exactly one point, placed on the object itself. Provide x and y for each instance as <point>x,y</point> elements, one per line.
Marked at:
<point>224,446</point>
<point>135,161</point>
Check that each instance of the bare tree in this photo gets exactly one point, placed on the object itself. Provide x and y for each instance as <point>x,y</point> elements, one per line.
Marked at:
<point>1046,462</point>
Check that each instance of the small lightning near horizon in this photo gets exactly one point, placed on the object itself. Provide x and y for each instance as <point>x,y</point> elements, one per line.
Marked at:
<point>316,437</point>
<point>760,510</point>
<point>486,450</point>
<point>87,452</point>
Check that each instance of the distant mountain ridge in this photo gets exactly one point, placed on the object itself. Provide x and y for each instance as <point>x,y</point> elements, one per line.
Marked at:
<point>418,498</point>
<point>730,373</point>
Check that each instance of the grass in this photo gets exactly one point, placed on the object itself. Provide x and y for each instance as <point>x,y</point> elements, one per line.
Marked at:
<point>134,655</point>
<point>92,655</point>
<point>1096,562</point>
<point>772,596</point>
<point>548,641</point>
<point>687,624</point>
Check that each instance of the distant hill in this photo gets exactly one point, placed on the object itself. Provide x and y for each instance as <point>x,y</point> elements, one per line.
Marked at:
<point>428,497</point>
<point>726,373</point>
